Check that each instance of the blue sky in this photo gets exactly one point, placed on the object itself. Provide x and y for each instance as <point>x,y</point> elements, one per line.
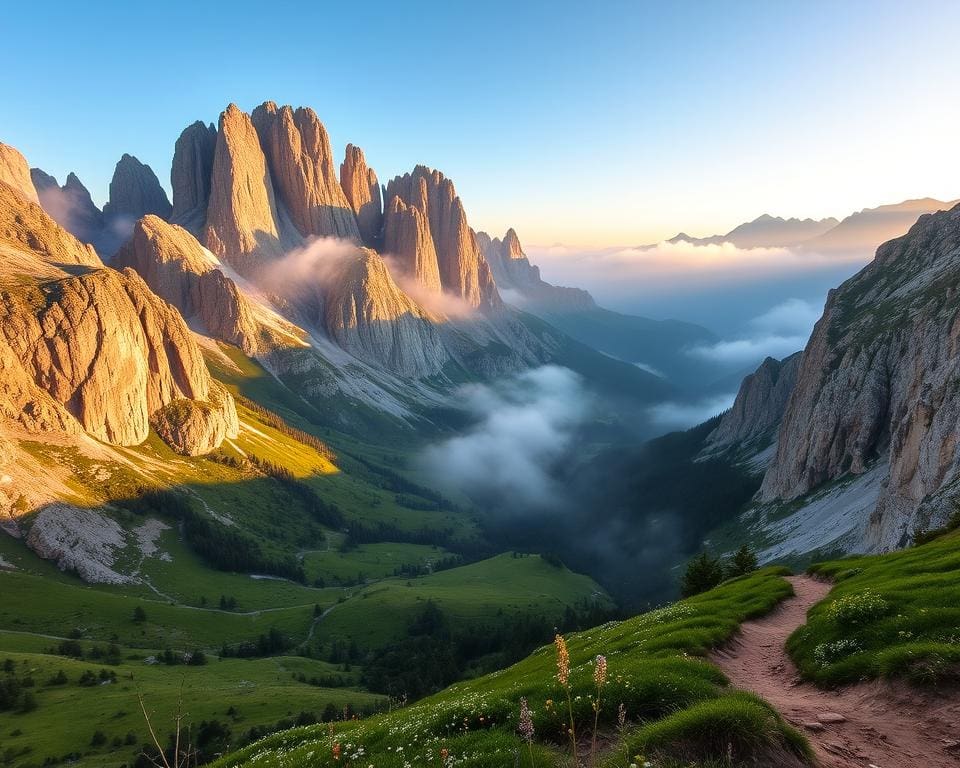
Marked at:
<point>584,123</point>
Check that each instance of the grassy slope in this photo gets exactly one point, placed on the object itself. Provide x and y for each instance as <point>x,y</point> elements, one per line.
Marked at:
<point>653,672</point>
<point>889,615</point>
<point>262,691</point>
<point>476,593</point>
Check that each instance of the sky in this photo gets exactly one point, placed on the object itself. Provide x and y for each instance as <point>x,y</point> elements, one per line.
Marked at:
<point>587,124</point>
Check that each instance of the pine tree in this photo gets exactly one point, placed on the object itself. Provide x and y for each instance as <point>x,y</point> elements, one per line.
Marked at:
<point>703,572</point>
<point>743,562</point>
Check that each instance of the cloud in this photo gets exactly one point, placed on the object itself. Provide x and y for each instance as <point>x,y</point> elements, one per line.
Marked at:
<point>682,266</point>
<point>437,302</point>
<point>792,315</point>
<point>303,269</point>
<point>778,332</point>
<point>524,425</point>
<point>672,415</point>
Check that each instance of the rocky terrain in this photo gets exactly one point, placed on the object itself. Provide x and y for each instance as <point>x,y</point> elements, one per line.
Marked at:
<point>759,407</point>
<point>877,385</point>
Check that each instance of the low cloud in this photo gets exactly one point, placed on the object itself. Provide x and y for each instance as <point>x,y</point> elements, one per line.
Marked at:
<point>304,269</point>
<point>778,332</point>
<point>524,425</point>
<point>671,415</point>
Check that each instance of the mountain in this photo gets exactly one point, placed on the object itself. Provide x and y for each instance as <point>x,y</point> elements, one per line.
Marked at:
<point>92,350</point>
<point>759,406</point>
<point>765,232</point>
<point>15,172</point>
<point>657,346</point>
<point>875,397</point>
<point>867,229</point>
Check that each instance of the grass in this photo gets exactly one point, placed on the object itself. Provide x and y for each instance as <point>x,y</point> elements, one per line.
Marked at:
<point>475,593</point>
<point>654,671</point>
<point>891,615</point>
<point>372,561</point>
<point>241,694</point>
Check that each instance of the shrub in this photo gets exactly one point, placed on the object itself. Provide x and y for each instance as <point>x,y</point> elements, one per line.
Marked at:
<point>857,608</point>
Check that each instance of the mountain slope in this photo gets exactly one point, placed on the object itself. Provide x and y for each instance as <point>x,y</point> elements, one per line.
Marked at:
<point>877,383</point>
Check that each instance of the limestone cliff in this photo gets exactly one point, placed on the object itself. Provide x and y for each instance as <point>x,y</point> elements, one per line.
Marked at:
<point>463,270</point>
<point>190,176</point>
<point>878,384</point>
<point>15,172</point>
<point>362,190</point>
<point>89,347</point>
<point>367,314</point>
<point>298,154</point>
<point>760,404</point>
<point>181,271</point>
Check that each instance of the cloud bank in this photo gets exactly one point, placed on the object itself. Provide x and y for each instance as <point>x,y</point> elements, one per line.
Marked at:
<point>524,425</point>
<point>778,332</point>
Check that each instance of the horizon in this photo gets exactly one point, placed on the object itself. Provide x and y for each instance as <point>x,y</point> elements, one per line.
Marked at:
<point>792,98</point>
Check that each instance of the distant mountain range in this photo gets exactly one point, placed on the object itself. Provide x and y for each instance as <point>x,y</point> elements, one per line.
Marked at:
<point>864,230</point>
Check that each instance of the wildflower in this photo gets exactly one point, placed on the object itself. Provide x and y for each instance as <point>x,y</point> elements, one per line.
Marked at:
<point>563,660</point>
<point>526,721</point>
<point>600,671</point>
<point>621,716</point>
<point>336,750</point>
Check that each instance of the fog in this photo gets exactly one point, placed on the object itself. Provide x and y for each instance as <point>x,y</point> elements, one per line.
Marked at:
<point>522,425</point>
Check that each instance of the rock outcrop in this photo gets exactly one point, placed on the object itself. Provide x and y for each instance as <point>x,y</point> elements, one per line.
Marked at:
<point>135,191</point>
<point>242,223</point>
<point>15,171</point>
<point>181,271</point>
<point>463,270</point>
<point>190,176</point>
<point>367,314</point>
<point>410,246</point>
<point>298,154</point>
<point>97,343</point>
<point>362,191</point>
<point>513,272</point>
<point>879,382</point>
<point>70,206</point>
<point>26,228</point>
<point>760,404</point>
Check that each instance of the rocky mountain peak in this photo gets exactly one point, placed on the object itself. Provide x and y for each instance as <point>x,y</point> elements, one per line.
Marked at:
<point>190,175</point>
<point>463,270</point>
<point>297,148</point>
<point>362,191</point>
<point>135,191</point>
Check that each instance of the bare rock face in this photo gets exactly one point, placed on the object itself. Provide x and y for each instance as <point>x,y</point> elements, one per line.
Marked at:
<point>15,172</point>
<point>242,223</point>
<point>135,191</point>
<point>760,403</point>
<point>193,427</point>
<point>463,270</point>
<point>410,245</point>
<point>181,271</point>
<point>190,176</point>
<point>367,314</point>
<point>298,154</point>
<point>878,383</point>
<point>513,271</point>
<point>362,191</point>
<point>25,226</point>
<point>70,206</point>
<point>91,342</point>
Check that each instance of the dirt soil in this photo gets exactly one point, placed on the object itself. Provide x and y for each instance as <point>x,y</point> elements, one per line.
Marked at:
<point>869,725</point>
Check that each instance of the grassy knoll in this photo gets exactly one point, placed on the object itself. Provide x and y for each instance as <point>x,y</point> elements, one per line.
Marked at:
<point>675,704</point>
<point>475,593</point>
<point>889,615</point>
<point>239,694</point>
<point>369,561</point>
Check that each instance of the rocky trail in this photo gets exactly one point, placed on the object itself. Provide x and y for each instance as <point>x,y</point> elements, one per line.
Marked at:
<point>871,725</point>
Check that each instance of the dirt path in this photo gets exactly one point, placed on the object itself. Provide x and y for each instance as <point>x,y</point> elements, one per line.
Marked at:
<point>878,725</point>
